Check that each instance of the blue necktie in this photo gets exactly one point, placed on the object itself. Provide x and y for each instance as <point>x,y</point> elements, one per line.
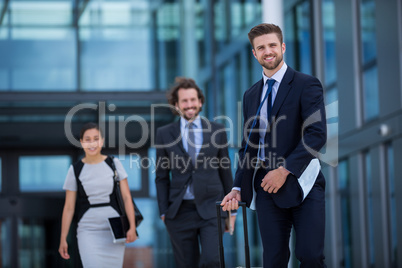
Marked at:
<point>270,83</point>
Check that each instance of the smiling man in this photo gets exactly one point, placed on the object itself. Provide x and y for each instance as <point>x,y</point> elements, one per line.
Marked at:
<point>284,117</point>
<point>192,172</point>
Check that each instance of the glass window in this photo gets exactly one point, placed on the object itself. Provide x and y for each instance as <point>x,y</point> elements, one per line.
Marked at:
<point>132,164</point>
<point>151,172</point>
<point>328,18</point>
<point>115,46</point>
<point>297,37</point>
<point>5,245</point>
<point>31,43</point>
<point>220,24</point>
<point>370,93</point>
<point>369,198</point>
<point>168,52</point>
<point>343,186</point>
<point>392,204</point>
<point>304,37</point>
<point>368,36</point>
<point>32,251</point>
<point>331,104</point>
<point>369,56</point>
<point>43,173</point>
<point>1,181</point>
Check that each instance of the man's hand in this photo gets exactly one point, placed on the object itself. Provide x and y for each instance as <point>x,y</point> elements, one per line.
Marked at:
<point>274,180</point>
<point>231,201</point>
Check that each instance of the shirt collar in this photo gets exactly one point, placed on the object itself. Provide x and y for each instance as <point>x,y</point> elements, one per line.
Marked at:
<point>184,123</point>
<point>278,76</point>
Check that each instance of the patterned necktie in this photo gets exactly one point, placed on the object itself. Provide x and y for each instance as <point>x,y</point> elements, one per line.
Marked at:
<point>191,143</point>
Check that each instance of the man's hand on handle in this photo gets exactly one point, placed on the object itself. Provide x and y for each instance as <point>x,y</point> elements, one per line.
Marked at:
<point>231,201</point>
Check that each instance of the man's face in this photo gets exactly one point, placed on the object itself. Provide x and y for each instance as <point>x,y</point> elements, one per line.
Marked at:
<point>269,51</point>
<point>188,103</point>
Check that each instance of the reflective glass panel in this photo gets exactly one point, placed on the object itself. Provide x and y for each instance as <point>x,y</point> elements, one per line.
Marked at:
<point>370,94</point>
<point>132,164</point>
<point>328,17</point>
<point>31,38</point>
<point>368,36</point>
<point>151,172</point>
<point>343,186</point>
<point>331,104</point>
<point>297,37</point>
<point>43,173</point>
<point>32,249</point>
<point>392,205</point>
<point>5,246</point>
<point>304,37</point>
<point>369,195</point>
<point>168,51</point>
<point>115,46</point>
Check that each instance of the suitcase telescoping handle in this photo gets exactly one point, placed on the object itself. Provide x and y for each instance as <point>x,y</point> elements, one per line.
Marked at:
<point>246,247</point>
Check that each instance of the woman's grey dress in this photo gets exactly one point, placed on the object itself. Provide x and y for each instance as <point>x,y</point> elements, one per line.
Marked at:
<point>95,241</point>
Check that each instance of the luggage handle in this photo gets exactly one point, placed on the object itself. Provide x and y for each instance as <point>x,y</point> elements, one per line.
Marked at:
<point>246,246</point>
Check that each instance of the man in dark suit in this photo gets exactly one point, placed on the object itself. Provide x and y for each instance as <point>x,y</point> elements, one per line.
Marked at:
<point>192,172</point>
<point>279,173</point>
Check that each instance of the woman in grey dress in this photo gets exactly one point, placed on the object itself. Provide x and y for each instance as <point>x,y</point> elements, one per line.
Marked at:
<point>95,241</point>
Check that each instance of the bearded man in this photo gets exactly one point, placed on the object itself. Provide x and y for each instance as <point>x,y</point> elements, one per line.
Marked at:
<point>192,172</point>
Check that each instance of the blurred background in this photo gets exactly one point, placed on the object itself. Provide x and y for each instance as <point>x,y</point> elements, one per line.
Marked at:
<point>67,62</point>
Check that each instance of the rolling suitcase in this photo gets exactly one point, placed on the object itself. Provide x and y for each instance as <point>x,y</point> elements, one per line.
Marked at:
<point>246,247</point>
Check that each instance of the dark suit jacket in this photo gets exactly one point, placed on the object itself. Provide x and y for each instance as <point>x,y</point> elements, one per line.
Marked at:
<point>212,175</point>
<point>299,120</point>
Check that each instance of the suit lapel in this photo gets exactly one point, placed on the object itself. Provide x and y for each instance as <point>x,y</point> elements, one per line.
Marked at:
<point>255,98</point>
<point>283,91</point>
<point>176,135</point>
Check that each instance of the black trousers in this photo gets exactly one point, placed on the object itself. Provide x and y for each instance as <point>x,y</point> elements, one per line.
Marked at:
<point>275,225</point>
<point>188,232</point>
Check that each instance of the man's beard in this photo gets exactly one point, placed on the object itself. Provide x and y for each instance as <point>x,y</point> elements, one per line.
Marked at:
<point>273,65</point>
<point>195,115</point>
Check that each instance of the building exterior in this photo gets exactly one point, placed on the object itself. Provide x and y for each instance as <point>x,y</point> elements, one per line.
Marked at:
<point>66,62</point>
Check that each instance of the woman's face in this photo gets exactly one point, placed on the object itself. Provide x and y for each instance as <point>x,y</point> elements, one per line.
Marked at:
<point>92,142</point>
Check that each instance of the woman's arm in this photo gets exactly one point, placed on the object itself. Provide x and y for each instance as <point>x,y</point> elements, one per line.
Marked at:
<point>68,213</point>
<point>129,207</point>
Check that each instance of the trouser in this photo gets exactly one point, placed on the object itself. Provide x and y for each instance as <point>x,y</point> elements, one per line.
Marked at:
<point>188,231</point>
<point>308,220</point>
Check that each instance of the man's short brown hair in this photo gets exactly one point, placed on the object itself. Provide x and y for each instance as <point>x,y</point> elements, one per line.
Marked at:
<point>264,28</point>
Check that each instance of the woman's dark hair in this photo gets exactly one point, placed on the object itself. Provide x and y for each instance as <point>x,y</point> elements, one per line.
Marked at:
<point>264,28</point>
<point>186,83</point>
<point>88,126</point>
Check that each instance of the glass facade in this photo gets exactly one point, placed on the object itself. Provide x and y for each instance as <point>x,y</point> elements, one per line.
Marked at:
<point>328,19</point>
<point>343,188</point>
<point>393,226</point>
<point>132,164</point>
<point>369,60</point>
<point>32,35</point>
<point>298,37</point>
<point>369,207</point>
<point>43,173</point>
<point>5,247</point>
